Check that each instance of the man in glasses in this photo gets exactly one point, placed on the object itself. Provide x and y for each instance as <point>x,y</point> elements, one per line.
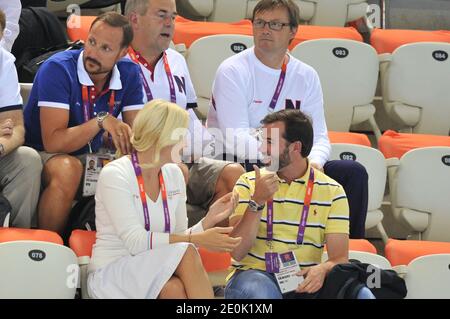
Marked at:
<point>265,79</point>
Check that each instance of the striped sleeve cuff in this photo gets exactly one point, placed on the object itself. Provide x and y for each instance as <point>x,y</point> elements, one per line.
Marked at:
<point>136,107</point>
<point>55,105</point>
<point>158,239</point>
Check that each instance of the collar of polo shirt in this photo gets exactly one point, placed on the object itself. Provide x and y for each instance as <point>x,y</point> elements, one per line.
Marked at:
<point>83,76</point>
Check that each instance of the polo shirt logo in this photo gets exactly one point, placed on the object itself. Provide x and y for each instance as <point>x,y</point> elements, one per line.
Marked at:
<point>181,83</point>
<point>289,104</point>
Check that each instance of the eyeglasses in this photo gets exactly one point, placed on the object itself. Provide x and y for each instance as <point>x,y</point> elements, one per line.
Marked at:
<point>273,25</point>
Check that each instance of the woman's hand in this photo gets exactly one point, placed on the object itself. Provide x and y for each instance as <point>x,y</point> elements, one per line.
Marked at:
<point>6,127</point>
<point>216,239</point>
<point>220,210</point>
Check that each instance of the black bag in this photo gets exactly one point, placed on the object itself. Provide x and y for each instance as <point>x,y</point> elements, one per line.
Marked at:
<point>40,30</point>
<point>82,216</point>
<point>345,280</point>
<point>29,69</point>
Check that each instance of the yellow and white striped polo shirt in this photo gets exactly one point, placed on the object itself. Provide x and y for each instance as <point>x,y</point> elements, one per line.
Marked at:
<point>328,214</point>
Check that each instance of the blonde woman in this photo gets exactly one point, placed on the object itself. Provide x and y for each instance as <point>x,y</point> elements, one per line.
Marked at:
<point>143,247</point>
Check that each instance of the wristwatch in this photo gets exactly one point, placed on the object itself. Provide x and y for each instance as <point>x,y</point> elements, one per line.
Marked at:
<point>101,116</point>
<point>255,207</point>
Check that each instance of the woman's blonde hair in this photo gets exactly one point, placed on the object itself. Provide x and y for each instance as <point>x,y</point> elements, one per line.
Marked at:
<point>156,125</point>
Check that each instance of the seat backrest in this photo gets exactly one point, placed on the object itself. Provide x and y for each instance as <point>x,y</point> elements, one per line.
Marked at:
<point>25,90</point>
<point>348,72</point>
<point>402,252</point>
<point>82,241</point>
<point>206,54</point>
<point>228,10</point>
<point>422,185</point>
<point>418,75</point>
<point>36,269</point>
<point>365,257</point>
<point>375,164</point>
<point>370,258</point>
<point>193,9</point>
<point>428,277</point>
<point>337,12</point>
<point>15,234</point>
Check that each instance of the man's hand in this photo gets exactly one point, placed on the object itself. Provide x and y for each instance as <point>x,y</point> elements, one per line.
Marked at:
<point>317,166</point>
<point>265,186</point>
<point>120,133</point>
<point>314,278</point>
<point>6,127</point>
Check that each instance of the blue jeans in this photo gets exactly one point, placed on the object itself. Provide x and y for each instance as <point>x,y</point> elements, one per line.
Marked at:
<point>258,284</point>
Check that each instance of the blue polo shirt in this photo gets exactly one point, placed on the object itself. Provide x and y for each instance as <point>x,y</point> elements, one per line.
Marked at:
<point>58,84</point>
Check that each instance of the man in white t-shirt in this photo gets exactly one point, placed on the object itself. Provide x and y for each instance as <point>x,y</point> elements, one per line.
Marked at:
<point>165,75</point>
<point>20,166</point>
<point>265,79</point>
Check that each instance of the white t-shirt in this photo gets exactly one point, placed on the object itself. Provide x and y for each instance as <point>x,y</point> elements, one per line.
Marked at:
<point>242,91</point>
<point>10,98</point>
<point>185,96</point>
<point>119,216</point>
<point>12,10</point>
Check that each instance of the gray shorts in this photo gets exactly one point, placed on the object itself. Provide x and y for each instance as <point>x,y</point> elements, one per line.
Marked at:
<point>201,187</point>
<point>45,156</point>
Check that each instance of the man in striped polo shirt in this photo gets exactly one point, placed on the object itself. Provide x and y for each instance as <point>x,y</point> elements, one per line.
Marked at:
<point>275,216</point>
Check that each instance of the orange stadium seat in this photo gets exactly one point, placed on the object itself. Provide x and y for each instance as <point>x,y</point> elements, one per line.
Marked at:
<point>402,252</point>
<point>362,245</point>
<point>393,144</point>
<point>387,40</point>
<point>35,264</point>
<point>349,138</point>
<point>81,242</point>
<point>15,234</point>
<point>214,261</point>
<point>187,31</point>
<point>78,27</point>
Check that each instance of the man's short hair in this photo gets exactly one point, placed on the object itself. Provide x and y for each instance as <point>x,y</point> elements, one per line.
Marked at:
<point>138,6</point>
<point>116,20</point>
<point>291,7</point>
<point>2,21</point>
<point>297,125</point>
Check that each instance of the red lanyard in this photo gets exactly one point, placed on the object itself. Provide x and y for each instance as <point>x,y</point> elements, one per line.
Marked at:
<point>87,106</point>
<point>305,212</point>
<point>162,185</point>
<point>280,84</point>
<point>139,59</point>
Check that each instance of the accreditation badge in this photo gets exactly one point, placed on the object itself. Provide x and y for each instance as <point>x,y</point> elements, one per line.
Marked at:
<point>286,278</point>
<point>94,164</point>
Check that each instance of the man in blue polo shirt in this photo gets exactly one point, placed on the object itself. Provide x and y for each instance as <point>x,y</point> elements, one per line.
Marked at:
<point>76,97</point>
